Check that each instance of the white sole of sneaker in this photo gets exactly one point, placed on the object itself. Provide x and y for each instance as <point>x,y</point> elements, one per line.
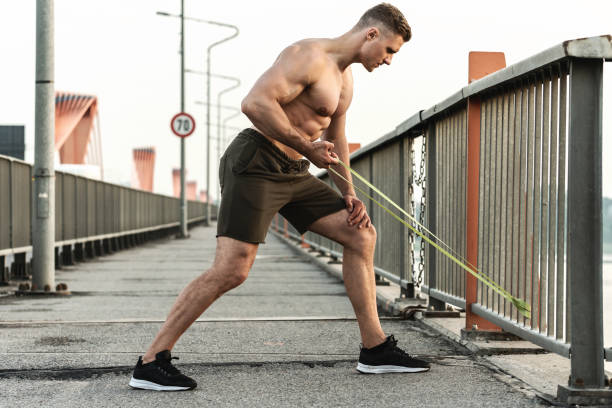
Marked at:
<point>148,385</point>
<point>381,369</point>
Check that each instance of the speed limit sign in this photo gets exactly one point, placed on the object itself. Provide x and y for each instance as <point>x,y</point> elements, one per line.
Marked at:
<point>182,124</point>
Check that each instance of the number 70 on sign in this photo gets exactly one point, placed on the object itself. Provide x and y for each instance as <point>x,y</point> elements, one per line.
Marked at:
<point>182,124</point>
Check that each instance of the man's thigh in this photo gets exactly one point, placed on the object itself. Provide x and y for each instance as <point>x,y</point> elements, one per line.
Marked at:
<point>335,226</point>
<point>235,253</point>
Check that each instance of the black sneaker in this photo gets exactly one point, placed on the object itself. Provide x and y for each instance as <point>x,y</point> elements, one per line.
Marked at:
<point>160,375</point>
<point>388,358</point>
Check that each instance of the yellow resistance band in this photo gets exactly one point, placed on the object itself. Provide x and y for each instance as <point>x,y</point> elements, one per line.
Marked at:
<point>520,304</point>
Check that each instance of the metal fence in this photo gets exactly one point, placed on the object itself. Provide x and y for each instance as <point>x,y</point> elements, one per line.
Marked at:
<point>87,210</point>
<point>538,200</point>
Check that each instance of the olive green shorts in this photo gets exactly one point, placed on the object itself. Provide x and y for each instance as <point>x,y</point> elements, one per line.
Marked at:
<point>258,180</point>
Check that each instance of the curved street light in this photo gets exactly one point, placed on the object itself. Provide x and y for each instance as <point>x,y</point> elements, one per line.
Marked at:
<point>208,75</point>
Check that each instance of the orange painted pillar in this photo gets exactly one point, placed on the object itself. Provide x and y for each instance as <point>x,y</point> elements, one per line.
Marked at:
<point>480,65</point>
<point>176,181</point>
<point>192,188</point>
<point>203,196</point>
<point>354,146</point>
<point>286,228</point>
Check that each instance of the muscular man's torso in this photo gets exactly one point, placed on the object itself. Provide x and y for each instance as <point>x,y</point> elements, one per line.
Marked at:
<point>312,110</point>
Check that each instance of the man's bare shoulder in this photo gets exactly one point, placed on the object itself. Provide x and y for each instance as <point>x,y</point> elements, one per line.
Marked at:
<point>309,50</point>
<point>305,57</point>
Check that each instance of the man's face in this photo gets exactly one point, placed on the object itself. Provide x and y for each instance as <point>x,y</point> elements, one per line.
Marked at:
<point>379,48</point>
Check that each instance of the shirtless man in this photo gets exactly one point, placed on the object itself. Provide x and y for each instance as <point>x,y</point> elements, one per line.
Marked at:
<point>302,97</point>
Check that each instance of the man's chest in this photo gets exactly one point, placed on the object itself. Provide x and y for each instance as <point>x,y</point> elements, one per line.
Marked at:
<point>325,96</point>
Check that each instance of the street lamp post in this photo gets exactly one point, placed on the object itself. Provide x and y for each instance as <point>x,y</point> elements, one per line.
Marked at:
<point>183,233</point>
<point>219,95</point>
<point>183,216</point>
<point>208,75</point>
<point>43,225</point>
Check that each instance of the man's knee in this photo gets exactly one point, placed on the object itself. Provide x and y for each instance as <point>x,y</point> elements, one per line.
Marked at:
<point>232,267</point>
<point>235,278</point>
<point>364,238</point>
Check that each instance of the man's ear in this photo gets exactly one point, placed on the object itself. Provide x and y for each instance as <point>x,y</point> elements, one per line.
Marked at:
<point>372,33</point>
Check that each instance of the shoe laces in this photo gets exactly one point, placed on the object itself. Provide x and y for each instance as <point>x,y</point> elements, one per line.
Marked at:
<point>167,367</point>
<point>395,349</point>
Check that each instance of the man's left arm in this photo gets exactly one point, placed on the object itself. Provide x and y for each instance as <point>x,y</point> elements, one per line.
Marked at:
<point>335,133</point>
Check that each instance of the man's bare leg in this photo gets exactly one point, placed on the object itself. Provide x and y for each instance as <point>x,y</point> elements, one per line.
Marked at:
<point>357,270</point>
<point>233,260</point>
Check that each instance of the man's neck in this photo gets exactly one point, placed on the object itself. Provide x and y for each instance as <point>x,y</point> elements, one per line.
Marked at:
<point>345,49</point>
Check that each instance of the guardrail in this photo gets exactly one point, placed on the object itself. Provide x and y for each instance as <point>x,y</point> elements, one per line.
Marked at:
<point>513,185</point>
<point>92,217</point>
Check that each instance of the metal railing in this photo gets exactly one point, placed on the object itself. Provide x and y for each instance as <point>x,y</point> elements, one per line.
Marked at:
<point>538,195</point>
<point>87,210</point>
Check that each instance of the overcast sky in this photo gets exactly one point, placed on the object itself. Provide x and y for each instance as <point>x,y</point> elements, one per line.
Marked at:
<point>127,56</point>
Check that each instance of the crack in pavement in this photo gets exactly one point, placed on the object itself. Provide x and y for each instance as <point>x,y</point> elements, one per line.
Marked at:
<point>69,373</point>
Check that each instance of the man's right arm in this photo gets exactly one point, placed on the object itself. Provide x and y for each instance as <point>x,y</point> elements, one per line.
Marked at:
<point>291,73</point>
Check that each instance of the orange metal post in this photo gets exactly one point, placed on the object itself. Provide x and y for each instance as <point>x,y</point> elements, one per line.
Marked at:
<point>192,188</point>
<point>176,182</point>
<point>354,146</point>
<point>480,65</point>
<point>203,196</point>
<point>144,164</point>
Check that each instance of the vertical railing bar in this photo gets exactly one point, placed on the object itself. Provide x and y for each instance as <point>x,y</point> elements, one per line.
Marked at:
<point>448,198</point>
<point>537,208</point>
<point>504,305</point>
<point>430,255</point>
<point>464,172</point>
<point>562,271</point>
<point>521,239</point>
<point>463,218</point>
<point>545,206</point>
<point>402,203</point>
<point>451,190</point>
<point>491,272</point>
<point>455,200</point>
<point>460,198</point>
<point>491,298</point>
<point>11,209</point>
<point>447,202</point>
<point>483,252</point>
<point>498,203</point>
<point>484,175</point>
<point>481,195</point>
<point>554,322</point>
<point>439,207</point>
<point>530,194</point>
<point>511,222</point>
<point>440,195</point>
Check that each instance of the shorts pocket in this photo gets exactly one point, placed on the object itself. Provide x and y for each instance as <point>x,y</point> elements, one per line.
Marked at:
<point>243,158</point>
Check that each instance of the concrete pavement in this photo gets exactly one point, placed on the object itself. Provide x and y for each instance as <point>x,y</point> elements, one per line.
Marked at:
<point>287,337</point>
